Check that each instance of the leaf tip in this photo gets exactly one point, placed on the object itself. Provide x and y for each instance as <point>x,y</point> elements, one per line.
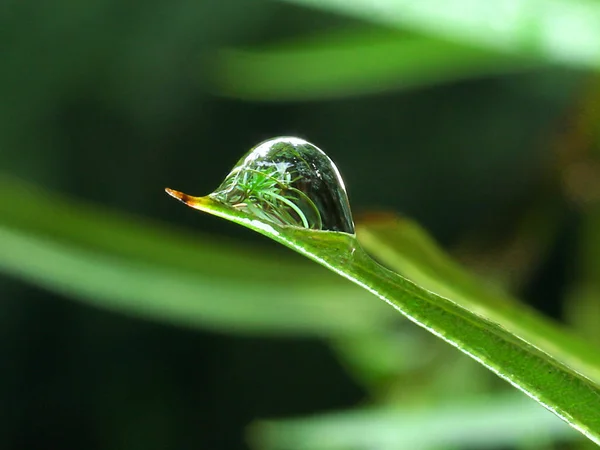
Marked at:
<point>184,198</point>
<point>200,203</point>
<point>175,194</point>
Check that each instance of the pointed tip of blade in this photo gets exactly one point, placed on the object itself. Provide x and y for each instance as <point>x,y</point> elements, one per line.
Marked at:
<point>194,202</point>
<point>185,198</point>
<point>173,193</point>
<point>176,194</point>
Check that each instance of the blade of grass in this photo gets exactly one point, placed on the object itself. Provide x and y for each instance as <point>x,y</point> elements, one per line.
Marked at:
<point>405,248</point>
<point>570,395</point>
<point>499,421</point>
<point>562,31</point>
<point>147,270</point>
<point>351,63</point>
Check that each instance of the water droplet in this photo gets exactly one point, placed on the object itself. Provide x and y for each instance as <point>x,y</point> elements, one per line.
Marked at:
<point>288,181</point>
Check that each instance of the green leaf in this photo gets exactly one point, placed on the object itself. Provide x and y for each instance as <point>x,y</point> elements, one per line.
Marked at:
<point>563,31</point>
<point>542,376</point>
<point>149,270</point>
<point>404,247</point>
<point>350,63</point>
<point>499,421</point>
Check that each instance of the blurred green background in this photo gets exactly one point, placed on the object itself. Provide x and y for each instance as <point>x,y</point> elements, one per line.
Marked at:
<point>129,321</point>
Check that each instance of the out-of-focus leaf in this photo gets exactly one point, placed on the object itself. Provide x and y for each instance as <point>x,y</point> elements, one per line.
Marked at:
<point>378,357</point>
<point>564,31</point>
<point>145,269</point>
<point>580,176</point>
<point>352,63</point>
<point>583,305</point>
<point>501,421</point>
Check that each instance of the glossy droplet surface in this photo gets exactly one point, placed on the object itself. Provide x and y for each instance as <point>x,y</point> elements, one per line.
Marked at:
<point>288,181</point>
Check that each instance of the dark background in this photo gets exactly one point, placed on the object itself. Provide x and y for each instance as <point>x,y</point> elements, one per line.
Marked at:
<point>108,102</point>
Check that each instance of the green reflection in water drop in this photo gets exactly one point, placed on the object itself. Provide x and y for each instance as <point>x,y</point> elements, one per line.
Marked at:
<point>290,182</point>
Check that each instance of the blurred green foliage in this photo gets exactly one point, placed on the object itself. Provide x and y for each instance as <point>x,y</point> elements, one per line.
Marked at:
<point>483,129</point>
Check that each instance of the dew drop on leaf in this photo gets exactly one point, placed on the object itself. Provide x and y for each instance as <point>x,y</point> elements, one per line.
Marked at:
<point>288,181</point>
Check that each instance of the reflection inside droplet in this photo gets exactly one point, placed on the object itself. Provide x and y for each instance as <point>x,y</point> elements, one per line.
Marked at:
<point>290,182</point>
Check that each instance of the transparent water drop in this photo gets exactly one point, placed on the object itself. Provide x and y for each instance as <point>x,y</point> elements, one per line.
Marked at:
<point>288,181</point>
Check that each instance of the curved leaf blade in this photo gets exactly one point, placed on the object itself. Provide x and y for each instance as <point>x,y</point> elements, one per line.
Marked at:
<point>562,31</point>
<point>570,395</point>
<point>352,63</point>
<point>405,248</point>
<point>148,270</point>
<point>499,421</point>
